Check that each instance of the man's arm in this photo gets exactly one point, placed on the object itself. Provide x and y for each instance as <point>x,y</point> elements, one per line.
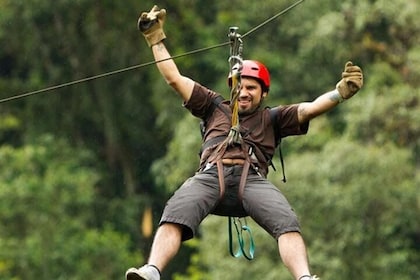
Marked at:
<point>349,85</point>
<point>151,25</point>
<point>168,69</point>
<point>322,104</point>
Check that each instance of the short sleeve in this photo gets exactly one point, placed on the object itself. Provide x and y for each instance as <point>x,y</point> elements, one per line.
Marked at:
<point>288,122</point>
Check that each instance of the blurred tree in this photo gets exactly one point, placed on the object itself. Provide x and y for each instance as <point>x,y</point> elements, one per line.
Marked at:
<point>361,205</point>
<point>65,41</point>
<point>47,216</point>
<point>146,145</point>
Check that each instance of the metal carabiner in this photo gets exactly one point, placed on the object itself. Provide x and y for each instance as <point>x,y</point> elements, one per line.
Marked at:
<point>236,47</point>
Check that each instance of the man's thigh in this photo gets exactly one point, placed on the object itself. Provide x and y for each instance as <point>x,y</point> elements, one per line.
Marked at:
<point>267,205</point>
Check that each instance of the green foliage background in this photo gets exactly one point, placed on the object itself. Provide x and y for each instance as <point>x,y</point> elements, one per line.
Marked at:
<point>80,165</point>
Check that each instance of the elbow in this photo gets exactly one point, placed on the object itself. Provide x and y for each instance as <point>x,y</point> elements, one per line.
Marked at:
<point>174,84</point>
<point>179,83</point>
<point>173,80</point>
<point>304,118</point>
<point>305,113</point>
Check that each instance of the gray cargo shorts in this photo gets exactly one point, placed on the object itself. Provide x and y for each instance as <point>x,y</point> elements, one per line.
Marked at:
<point>199,196</point>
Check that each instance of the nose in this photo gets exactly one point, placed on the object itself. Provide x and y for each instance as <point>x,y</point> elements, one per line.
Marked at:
<point>242,90</point>
<point>244,96</point>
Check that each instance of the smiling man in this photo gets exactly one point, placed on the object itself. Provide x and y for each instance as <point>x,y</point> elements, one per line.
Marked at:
<point>231,180</point>
<point>255,83</point>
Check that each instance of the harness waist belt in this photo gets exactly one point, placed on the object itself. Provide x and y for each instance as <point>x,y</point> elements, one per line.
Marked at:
<point>233,161</point>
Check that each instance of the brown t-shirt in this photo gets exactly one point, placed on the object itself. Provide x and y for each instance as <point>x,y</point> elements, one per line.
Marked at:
<point>256,129</point>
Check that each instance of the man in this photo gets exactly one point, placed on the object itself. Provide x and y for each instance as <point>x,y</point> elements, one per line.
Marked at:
<point>232,180</point>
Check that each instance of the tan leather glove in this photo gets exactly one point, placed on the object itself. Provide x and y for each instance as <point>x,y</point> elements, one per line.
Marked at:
<point>351,82</point>
<point>151,25</point>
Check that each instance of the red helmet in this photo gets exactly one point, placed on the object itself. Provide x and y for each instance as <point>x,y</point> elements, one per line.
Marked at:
<point>254,69</point>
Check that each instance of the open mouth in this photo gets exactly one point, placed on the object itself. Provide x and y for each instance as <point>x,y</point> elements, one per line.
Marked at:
<point>244,103</point>
<point>244,100</point>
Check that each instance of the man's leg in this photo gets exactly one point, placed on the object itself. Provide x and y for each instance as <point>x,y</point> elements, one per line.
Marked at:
<point>262,197</point>
<point>293,253</point>
<point>190,204</point>
<point>166,245</point>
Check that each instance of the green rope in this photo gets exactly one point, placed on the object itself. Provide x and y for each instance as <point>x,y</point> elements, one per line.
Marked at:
<point>241,241</point>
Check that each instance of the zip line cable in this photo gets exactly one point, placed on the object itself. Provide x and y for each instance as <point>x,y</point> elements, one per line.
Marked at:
<point>111,73</point>
<point>108,74</point>
<point>273,18</point>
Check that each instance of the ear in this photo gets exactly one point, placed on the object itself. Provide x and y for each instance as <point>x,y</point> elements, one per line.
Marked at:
<point>264,94</point>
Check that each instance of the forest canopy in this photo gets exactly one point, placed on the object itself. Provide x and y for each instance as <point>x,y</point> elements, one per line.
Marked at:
<point>85,169</point>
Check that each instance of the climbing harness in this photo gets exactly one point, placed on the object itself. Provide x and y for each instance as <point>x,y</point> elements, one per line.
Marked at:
<point>235,138</point>
<point>115,72</point>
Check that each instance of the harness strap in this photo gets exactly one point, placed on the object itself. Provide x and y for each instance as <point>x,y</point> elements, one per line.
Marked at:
<point>242,182</point>
<point>212,142</point>
<point>221,178</point>
<point>277,139</point>
<point>282,165</point>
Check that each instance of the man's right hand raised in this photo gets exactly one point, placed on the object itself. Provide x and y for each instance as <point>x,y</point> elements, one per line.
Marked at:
<point>151,25</point>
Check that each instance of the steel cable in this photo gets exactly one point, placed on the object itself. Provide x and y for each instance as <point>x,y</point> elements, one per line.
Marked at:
<point>107,74</point>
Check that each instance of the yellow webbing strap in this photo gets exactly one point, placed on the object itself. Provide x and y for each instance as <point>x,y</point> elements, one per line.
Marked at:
<point>235,61</point>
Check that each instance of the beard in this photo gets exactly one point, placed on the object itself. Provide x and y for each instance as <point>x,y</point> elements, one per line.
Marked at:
<point>247,106</point>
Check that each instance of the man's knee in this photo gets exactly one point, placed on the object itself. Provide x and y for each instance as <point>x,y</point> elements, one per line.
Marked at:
<point>176,230</point>
<point>171,228</point>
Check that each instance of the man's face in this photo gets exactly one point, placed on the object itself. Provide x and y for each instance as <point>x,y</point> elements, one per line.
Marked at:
<point>250,95</point>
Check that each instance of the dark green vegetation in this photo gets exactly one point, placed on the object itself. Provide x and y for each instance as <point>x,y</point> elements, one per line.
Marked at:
<point>80,165</point>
